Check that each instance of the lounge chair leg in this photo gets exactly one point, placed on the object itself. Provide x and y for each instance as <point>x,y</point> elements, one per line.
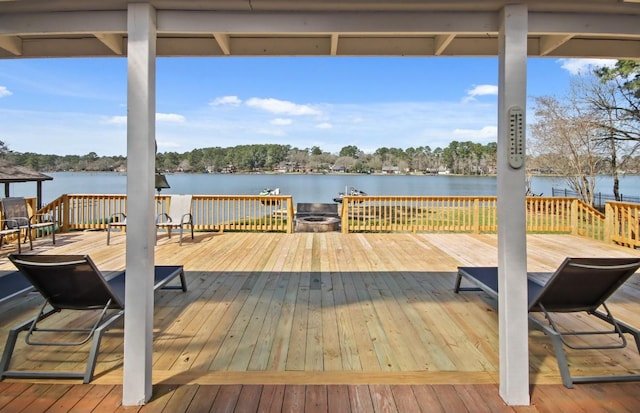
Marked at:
<point>10,346</point>
<point>95,347</point>
<point>636,336</point>
<point>561,357</point>
<point>183,281</point>
<point>8,351</point>
<point>458,282</point>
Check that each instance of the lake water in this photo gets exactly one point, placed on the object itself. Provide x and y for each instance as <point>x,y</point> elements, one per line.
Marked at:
<point>304,188</point>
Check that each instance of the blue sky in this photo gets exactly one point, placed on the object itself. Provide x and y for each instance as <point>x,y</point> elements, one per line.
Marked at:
<point>77,106</point>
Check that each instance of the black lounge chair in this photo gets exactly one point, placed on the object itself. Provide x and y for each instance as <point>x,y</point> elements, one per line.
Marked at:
<point>578,285</point>
<point>12,285</point>
<point>73,282</point>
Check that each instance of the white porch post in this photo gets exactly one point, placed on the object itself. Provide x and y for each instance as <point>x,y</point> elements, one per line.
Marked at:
<point>141,102</point>
<point>512,242</point>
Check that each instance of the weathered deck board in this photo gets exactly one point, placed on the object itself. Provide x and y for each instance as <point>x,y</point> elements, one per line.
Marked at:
<point>324,309</point>
<point>36,398</point>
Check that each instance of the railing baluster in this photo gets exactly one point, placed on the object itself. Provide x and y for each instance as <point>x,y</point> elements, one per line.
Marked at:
<point>369,213</point>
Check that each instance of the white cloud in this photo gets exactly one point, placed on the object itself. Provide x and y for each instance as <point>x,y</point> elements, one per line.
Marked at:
<point>169,117</point>
<point>324,125</point>
<point>282,106</point>
<point>486,133</point>
<point>280,121</point>
<point>270,132</point>
<point>226,100</point>
<point>5,92</point>
<point>578,66</point>
<point>117,120</point>
<point>480,90</point>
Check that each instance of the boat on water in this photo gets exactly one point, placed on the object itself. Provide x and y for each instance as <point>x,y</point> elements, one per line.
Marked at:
<point>351,191</point>
<point>269,191</point>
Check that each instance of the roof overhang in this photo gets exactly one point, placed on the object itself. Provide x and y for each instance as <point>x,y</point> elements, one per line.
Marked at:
<point>94,28</point>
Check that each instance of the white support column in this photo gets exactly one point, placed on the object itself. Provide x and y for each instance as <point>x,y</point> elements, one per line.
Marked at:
<point>512,241</point>
<point>141,102</point>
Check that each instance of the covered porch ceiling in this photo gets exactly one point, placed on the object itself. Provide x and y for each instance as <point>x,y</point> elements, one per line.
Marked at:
<point>98,28</point>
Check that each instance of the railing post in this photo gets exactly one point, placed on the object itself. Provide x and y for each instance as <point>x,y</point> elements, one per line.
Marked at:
<point>66,213</point>
<point>574,217</point>
<point>344,216</point>
<point>608,222</point>
<point>476,216</point>
<point>290,215</point>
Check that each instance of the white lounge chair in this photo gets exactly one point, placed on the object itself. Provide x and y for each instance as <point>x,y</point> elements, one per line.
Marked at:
<point>178,217</point>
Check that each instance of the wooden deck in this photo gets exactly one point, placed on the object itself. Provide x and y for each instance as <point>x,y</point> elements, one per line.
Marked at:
<point>326,318</point>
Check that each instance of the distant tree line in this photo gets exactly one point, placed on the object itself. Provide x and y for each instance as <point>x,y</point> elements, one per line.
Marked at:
<point>457,158</point>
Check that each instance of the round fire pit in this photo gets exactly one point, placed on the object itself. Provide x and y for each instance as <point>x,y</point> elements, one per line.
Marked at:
<point>317,224</point>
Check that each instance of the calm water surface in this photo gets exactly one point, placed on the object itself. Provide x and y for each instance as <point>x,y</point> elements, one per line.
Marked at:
<point>304,188</point>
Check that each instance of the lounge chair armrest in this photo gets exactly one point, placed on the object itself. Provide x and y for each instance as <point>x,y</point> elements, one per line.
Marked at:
<point>186,218</point>
<point>22,221</point>
<point>9,224</point>
<point>162,218</point>
<point>41,218</point>
<point>117,217</point>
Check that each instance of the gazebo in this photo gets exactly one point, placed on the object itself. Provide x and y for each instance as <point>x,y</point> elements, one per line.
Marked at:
<point>142,30</point>
<point>10,174</point>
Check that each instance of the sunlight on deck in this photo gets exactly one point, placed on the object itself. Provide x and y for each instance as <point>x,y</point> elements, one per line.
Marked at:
<point>325,308</point>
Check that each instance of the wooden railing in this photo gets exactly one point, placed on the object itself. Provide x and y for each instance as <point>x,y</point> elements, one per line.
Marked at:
<point>619,224</point>
<point>465,214</point>
<point>210,212</point>
<point>623,223</point>
<point>418,213</point>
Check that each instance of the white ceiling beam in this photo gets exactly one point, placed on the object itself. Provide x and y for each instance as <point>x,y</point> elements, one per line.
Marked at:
<point>408,23</point>
<point>594,48</point>
<point>441,42</point>
<point>385,46</point>
<point>550,43</point>
<point>82,47</point>
<point>202,22</point>
<point>389,23</point>
<point>223,42</point>
<point>334,44</point>
<point>472,46</point>
<point>565,23</point>
<point>289,46</point>
<point>112,41</point>
<point>11,44</point>
<point>321,45</point>
<point>64,23</point>
<point>184,46</point>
